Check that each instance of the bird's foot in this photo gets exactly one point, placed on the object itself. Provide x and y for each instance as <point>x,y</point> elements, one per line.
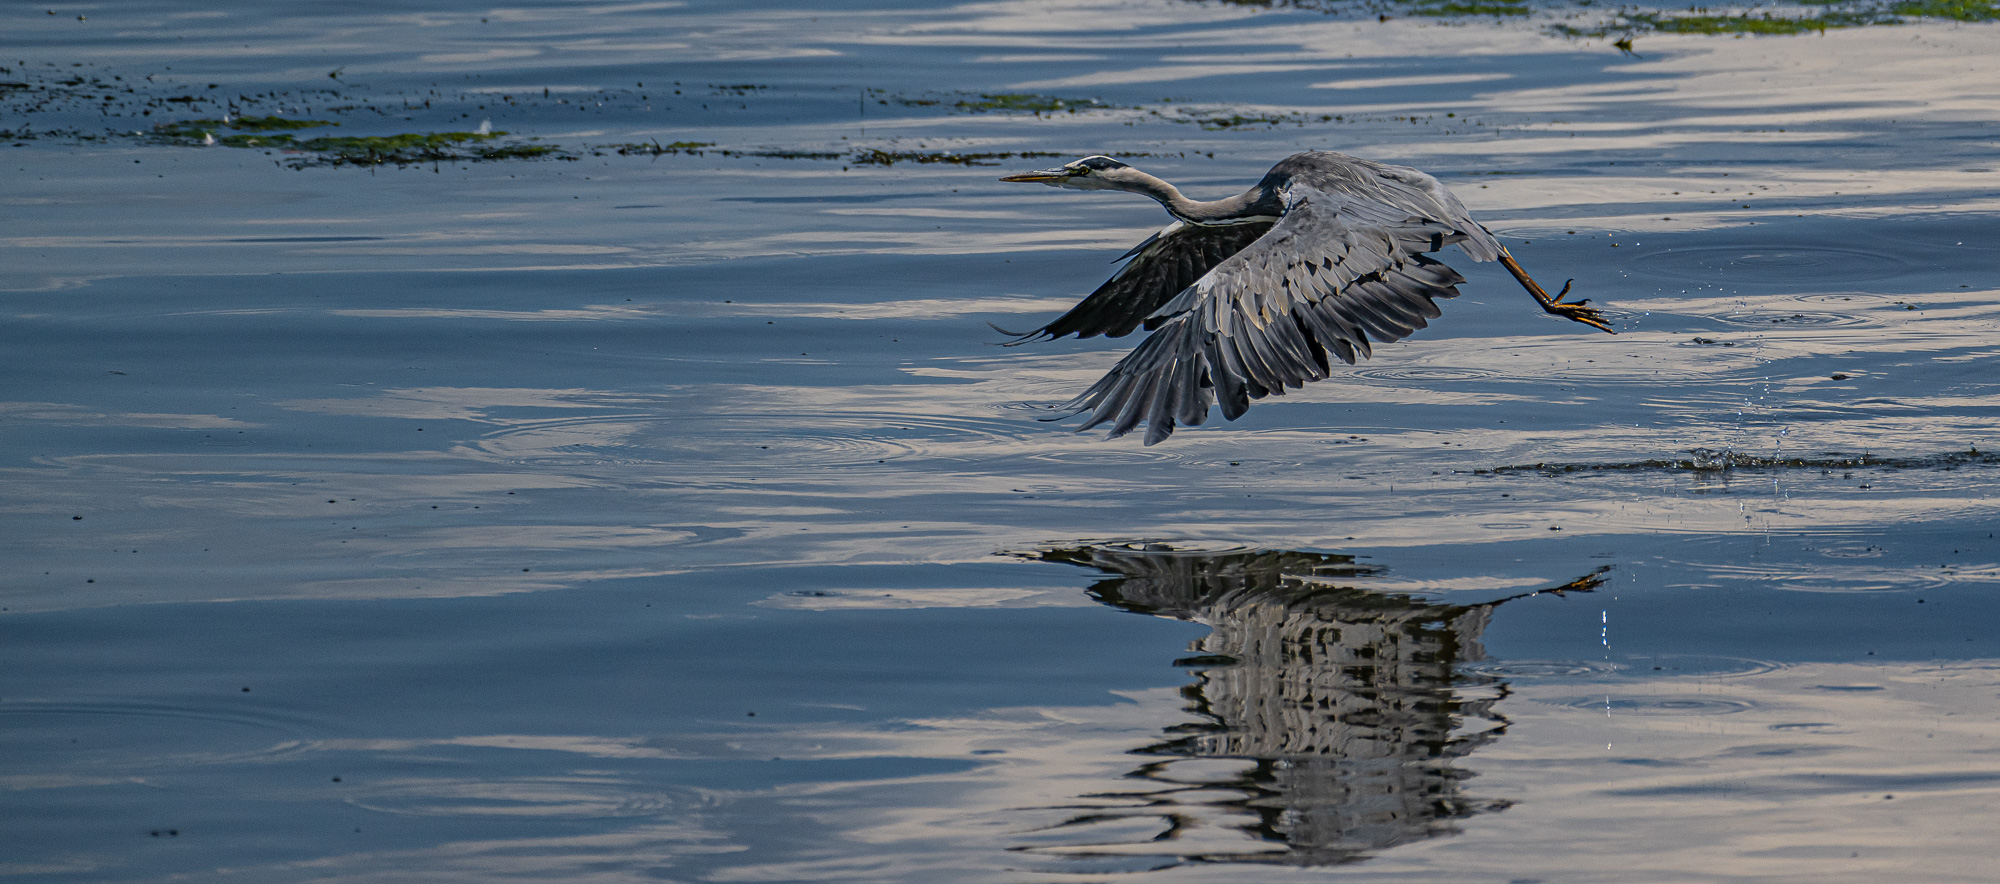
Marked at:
<point>1575,311</point>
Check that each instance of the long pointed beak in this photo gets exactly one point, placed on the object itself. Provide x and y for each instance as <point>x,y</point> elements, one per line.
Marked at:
<point>1044,175</point>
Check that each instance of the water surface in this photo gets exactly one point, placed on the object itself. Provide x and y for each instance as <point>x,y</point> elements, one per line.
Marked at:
<point>635,517</point>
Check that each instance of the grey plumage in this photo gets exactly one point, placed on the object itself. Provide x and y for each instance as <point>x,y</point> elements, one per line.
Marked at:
<point>1247,296</point>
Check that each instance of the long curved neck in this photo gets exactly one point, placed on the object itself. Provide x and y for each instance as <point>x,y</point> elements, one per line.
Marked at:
<point>1241,207</point>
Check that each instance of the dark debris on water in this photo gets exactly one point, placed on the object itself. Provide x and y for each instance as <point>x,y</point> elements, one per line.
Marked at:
<point>1628,21</point>
<point>1704,460</point>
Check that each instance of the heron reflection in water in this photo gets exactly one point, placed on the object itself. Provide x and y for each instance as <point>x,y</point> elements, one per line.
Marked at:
<point>1245,296</point>
<point>1348,706</point>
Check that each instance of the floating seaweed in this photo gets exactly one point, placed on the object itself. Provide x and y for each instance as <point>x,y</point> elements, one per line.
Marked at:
<point>1020,102</point>
<point>873,157</point>
<point>418,147</point>
<point>1707,460</point>
<point>651,148</point>
<point>860,157</point>
<point>1630,22</point>
<point>349,150</point>
<point>1454,8</point>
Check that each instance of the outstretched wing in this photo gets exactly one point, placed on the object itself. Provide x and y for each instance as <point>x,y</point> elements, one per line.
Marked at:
<point>1160,267</point>
<point>1336,271</point>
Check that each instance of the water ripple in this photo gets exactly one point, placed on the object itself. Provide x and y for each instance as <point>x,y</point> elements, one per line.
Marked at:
<point>1759,318</point>
<point>1543,668</point>
<point>1421,373</point>
<point>1659,705</point>
<point>771,441</point>
<point>141,737</point>
<point>1701,665</point>
<point>1795,265</point>
<point>553,797</point>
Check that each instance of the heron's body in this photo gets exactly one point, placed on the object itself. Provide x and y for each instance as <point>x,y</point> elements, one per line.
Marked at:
<point>1245,296</point>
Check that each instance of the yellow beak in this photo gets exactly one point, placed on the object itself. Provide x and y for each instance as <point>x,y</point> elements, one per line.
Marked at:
<point>1044,175</point>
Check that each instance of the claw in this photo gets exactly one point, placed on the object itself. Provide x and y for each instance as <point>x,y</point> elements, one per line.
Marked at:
<point>1570,310</point>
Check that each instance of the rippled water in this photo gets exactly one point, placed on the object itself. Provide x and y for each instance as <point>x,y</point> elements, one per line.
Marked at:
<point>676,517</point>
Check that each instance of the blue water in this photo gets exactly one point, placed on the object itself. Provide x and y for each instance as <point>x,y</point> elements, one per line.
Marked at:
<point>678,518</point>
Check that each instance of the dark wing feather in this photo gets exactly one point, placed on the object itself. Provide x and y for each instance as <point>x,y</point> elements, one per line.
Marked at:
<point>1160,267</point>
<point>1334,273</point>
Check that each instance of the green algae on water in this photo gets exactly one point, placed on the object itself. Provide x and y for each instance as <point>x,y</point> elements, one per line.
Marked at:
<point>859,157</point>
<point>1835,15</point>
<point>418,147</point>
<point>349,150</point>
<point>1705,460</point>
<point>873,157</point>
<point>1454,8</point>
<point>704,148</point>
<point>1628,22</point>
<point>652,148</point>
<point>269,124</point>
<point>866,156</point>
<point>1237,121</point>
<point>198,129</point>
<point>1956,10</point>
<point>1746,23</point>
<point>1021,102</point>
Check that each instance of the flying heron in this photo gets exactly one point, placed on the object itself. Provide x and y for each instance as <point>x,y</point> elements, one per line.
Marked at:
<point>1246,295</point>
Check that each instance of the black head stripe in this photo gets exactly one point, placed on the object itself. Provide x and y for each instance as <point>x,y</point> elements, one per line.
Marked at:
<point>1098,164</point>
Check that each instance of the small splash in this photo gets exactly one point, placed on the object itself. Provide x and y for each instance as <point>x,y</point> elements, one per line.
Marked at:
<point>485,127</point>
<point>1710,459</point>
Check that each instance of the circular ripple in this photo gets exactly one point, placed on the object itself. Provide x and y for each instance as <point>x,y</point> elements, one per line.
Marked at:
<point>528,798</point>
<point>137,737</point>
<point>1100,458</point>
<point>1760,318</point>
<point>1794,265</point>
<point>1421,373</point>
<point>1661,705</point>
<point>1699,664</point>
<point>1543,668</point>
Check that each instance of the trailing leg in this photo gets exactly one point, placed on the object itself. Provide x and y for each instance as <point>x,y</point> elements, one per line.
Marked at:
<point>1575,311</point>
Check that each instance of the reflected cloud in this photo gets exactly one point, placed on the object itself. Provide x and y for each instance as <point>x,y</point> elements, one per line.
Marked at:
<point>1350,706</point>
<point>1416,80</point>
<point>1169,74</point>
<point>78,416</point>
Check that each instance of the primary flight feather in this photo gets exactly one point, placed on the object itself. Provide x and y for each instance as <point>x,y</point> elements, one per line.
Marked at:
<point>1247,295</point>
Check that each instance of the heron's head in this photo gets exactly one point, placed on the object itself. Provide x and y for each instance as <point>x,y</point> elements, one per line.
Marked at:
<point>1089,173</point>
